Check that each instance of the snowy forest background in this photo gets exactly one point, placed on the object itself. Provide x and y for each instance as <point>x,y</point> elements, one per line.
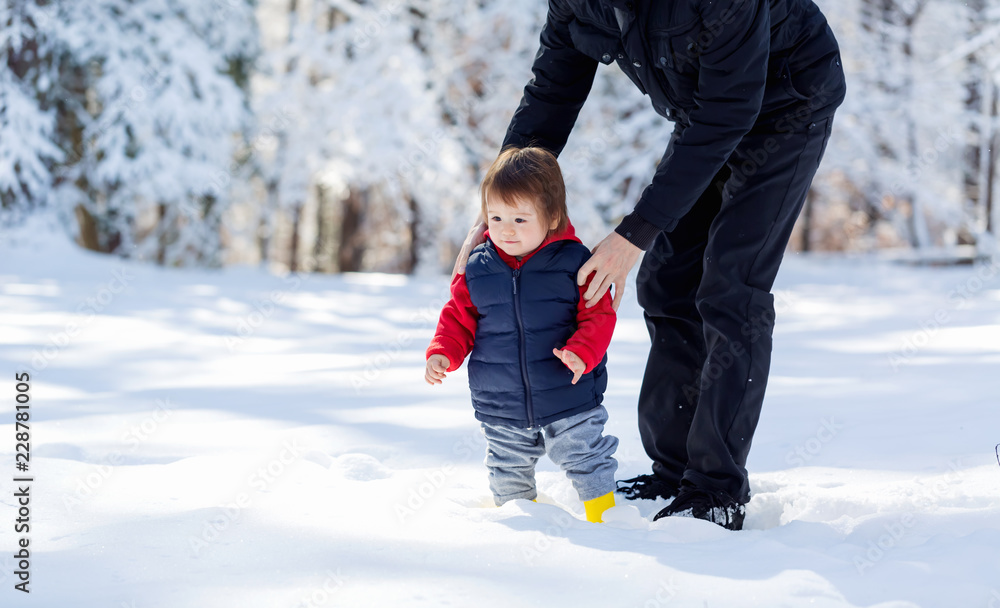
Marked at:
<point>344,135</point>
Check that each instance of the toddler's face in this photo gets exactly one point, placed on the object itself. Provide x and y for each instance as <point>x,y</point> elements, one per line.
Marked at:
<point>516,229</point>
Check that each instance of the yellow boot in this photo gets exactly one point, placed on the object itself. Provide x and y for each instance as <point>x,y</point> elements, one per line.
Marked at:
<point>595,507</point>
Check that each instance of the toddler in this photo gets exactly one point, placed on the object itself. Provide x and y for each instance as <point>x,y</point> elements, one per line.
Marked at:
<point>537,365</point>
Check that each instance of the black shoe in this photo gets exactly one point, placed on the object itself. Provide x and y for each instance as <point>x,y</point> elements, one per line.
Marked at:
<point>646,487</point>
<point>714,506</point>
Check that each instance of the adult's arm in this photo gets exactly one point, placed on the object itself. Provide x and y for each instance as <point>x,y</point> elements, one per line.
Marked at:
<point>562,78</point>
<point>734,49</point>
<point>553,97</point>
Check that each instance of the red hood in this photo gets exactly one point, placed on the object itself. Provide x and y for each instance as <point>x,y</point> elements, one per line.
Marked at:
<point>569,234</point>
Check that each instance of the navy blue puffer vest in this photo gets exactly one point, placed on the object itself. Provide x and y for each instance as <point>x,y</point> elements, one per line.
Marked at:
<point>525,313</point>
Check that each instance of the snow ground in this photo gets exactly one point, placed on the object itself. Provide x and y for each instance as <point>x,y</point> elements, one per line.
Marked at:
<point>238,439</point>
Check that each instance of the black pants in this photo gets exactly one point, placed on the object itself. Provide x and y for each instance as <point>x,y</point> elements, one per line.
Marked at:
<point>705,289</point>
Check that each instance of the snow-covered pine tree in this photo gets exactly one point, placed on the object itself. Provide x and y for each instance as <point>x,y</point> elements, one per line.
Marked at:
<point>158,116</point>
<point>28,153</point>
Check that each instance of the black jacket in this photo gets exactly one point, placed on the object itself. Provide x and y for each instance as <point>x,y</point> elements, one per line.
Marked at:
<point>718,68</point>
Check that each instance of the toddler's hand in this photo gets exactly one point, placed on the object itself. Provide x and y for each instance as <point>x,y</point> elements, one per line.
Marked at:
<point>572,361</point>
<point>437,365</point>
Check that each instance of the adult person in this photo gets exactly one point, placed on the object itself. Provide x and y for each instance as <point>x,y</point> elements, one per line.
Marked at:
<point>752,87</point>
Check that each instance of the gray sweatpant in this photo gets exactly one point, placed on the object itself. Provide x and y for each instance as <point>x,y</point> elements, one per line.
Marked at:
<point>577,444</point>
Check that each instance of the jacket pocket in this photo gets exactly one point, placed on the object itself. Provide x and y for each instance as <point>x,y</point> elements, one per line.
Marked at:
<point>677,47</point>
<point>593,42</point>
<point>602,46</point>
<point>677,55</point>
<point>784,76</point>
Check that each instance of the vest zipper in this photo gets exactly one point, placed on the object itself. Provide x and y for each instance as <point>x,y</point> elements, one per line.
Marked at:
<point>522,350</point>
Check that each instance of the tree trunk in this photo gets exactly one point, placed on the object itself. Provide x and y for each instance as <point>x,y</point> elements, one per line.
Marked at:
<point>163,229</point>
<point>415,236</point>
<point>88,229</point>
<point>293,262</point>
<point>212,255</point>
<point>991,142</point>
<point>351,247</point>
<point>319,246</point>
<point>265,226</point>
<point>920,235</point>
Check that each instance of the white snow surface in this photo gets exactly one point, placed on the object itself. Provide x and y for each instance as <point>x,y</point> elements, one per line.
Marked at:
<point>234,438</point>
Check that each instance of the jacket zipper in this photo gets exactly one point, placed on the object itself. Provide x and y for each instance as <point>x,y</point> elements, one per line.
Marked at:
<point>522,351</point>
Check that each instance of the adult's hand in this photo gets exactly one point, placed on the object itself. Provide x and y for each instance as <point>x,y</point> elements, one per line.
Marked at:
<point>475,238</point>
<point>610,263</point>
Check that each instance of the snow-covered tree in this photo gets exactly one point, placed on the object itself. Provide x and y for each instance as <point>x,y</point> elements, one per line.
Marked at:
<point>352,134</point>
<point>28,151</point>
<point>157,127</point>
<point>125,115</point>
<point>355,90</point>
<point>982,73</point>
<point>892,174</point>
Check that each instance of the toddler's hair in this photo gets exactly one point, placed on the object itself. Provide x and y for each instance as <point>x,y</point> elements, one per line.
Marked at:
<point>529,174</point>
